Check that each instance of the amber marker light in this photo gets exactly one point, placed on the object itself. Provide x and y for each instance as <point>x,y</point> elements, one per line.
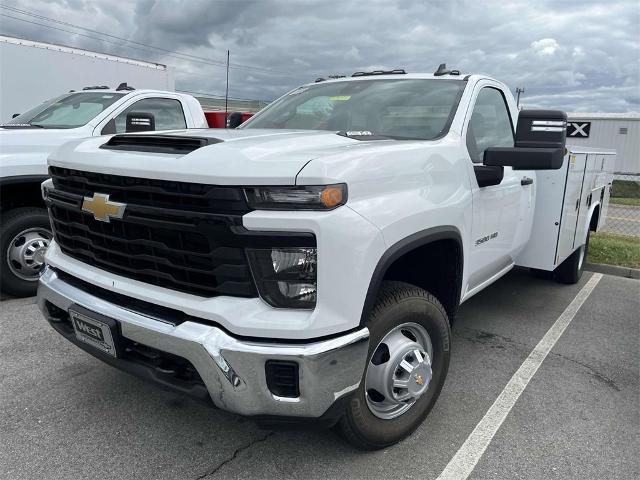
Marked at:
<point>332,196</point>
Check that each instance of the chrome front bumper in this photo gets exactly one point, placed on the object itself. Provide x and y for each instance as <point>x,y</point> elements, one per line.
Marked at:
<point>232,370</point>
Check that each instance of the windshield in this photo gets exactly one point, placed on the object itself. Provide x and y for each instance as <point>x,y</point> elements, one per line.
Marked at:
<point>71,110</point>
<point>399,108</point>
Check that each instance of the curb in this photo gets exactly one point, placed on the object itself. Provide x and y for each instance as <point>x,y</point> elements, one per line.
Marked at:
<point>622,205</point>
<point>625,272</point>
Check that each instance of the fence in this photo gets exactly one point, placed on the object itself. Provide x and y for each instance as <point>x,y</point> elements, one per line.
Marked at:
<point>623,217</point>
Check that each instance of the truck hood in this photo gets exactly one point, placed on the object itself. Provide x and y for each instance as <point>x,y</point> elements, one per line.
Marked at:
<point>242,157</point>
<point>24,151</point>
<point>18,140</point>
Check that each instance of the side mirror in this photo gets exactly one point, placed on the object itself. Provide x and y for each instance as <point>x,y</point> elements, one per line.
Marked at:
<point>140,122</point>
<point>540,142</point>
<point>15,115</point>
<point>234,119</point>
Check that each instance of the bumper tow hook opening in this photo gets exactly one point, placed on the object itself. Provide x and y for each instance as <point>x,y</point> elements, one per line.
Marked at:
<point>234,379</point>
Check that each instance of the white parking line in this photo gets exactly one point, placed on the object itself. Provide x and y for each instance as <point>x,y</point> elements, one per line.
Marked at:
<point>465,459</point>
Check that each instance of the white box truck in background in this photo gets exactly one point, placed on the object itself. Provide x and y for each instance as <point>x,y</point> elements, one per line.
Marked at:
<point>24,65</point>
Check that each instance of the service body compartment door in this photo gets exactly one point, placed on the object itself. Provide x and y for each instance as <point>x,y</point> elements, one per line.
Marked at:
<point>540,251</point>
<point>605,178</point>
<point>571,206</point>
<point>586,199</point>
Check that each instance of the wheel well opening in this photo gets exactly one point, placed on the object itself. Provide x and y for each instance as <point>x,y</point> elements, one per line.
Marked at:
<point>15,195</point>
<point>595,218</point>
<point>435,267</point>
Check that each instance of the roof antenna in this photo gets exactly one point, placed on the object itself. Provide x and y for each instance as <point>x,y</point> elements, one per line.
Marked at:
<point>442,70</point>
<point>124,86</point>
<point>226,97</point>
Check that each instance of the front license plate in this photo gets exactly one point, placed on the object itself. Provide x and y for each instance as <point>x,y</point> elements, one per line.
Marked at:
<point>94,332</point>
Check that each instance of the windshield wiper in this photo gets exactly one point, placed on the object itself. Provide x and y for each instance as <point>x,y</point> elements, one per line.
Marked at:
<point>366,135</point>
<point>20,125</point>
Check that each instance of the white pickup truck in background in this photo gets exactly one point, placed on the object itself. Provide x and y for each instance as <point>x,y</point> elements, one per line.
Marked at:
<point>307,265</point>
<point>27,140</point>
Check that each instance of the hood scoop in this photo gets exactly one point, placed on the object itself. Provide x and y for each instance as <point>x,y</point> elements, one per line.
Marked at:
<point>176,144</point>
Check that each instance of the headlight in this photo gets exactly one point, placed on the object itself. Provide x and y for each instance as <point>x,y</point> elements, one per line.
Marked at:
<point>315,197</point>
<point>286,277</point>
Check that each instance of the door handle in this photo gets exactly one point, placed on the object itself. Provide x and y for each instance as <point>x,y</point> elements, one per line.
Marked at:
<point>526,181</point>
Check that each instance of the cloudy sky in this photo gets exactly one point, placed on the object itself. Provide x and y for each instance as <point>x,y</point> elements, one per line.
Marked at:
<point>576,55</point>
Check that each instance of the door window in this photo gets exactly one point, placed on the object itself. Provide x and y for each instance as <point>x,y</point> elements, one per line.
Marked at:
<point>167,112</point>
<point>490,124</point>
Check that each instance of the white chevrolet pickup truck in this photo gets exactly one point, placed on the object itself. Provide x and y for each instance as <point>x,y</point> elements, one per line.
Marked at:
<point>27,140</point>
<point>307,265</point>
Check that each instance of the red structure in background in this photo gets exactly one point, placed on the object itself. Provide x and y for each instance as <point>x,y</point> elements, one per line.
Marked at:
<point>216,119</point>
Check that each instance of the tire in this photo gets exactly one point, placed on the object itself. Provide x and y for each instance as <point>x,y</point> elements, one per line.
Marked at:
<point>570,271</point>
<point>24,235</point>
<point>399,306</point>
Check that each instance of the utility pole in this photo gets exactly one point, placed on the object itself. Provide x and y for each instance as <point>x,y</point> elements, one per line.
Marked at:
<point>226,95</point>
<point>518,92</point>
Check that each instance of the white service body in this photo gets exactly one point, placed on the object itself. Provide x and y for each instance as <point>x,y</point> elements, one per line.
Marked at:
<point>566,200</point>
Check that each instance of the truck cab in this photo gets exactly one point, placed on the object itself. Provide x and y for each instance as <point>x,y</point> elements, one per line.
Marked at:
<point>308,264</point>
<point>29,138</point>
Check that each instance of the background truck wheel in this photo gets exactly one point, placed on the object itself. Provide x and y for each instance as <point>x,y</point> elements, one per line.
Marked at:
<point>25,234</point>
<point>407,364</point>
<point>571,269</point>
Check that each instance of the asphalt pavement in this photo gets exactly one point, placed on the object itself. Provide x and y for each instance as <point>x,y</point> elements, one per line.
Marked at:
<point>66,415</point>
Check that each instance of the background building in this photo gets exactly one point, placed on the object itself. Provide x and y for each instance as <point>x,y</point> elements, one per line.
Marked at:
<point>617,131</point>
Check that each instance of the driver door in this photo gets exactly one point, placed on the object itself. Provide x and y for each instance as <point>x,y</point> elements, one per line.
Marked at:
<point>497,192</point>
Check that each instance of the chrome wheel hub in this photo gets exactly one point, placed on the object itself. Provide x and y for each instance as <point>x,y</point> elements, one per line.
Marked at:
<point>25,255</point>
<point>399,371</point>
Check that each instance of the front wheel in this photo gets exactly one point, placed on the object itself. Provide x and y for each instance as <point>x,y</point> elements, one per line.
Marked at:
<point>25,234</point>
<point>407,364</point>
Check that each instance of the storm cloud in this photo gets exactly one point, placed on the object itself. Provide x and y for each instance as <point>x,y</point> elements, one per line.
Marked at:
<point>573,55</point>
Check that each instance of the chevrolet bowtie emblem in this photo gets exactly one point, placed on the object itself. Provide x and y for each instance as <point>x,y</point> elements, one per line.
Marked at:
<point>419,379</point>
<point>102,208</point>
